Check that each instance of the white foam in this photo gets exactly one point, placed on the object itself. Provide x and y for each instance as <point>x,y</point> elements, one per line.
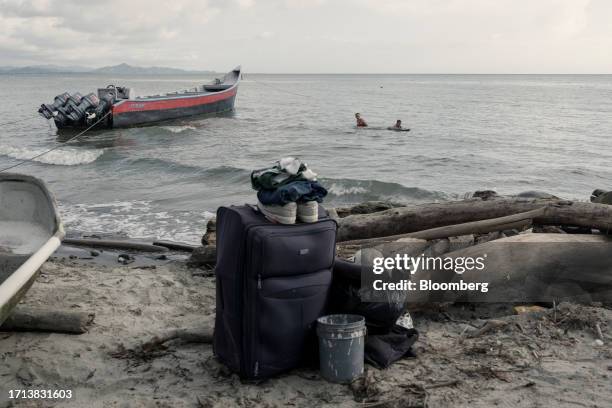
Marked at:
<point>64,156</point>
<point>136,219</point>
<point>178,129</point>
<point>340,190</point>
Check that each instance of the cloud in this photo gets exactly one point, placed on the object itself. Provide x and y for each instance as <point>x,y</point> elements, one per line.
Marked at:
<point>53,27</point>
<point>313,35</point>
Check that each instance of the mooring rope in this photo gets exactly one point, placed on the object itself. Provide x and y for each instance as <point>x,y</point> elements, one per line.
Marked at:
<point>56,147</point>
<point>281,89</point>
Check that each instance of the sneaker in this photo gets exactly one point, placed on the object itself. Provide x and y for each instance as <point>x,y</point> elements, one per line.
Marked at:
<point>283,214</point>
<point>308,211</point>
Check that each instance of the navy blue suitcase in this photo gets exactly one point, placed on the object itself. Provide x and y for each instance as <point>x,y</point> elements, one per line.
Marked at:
<point>272,283</point>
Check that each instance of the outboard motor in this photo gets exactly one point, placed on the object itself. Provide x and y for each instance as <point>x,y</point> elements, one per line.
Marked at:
<point>61,115</point>
<point>106,101</point>
<point>78,111</point>
<point>60,118</point>
<point>71,104</point>
<point>47,110</point>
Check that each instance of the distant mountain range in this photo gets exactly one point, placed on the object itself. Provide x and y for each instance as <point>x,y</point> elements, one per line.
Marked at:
<point>121,69</point>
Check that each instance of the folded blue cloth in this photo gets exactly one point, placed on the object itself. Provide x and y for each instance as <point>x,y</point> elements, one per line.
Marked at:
<point>296,191</point>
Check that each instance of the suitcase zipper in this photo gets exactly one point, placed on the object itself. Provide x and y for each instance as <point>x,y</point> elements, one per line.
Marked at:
<point>246,322</point>
<point>251,328</point>
<point>250,322</point>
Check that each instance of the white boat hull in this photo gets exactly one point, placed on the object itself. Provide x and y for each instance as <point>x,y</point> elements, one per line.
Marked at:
<point>30,231</point>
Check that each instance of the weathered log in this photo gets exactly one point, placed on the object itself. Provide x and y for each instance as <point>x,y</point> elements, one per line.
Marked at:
<point>515,221</point>
<point>420,217</point>
<point>404,220</point>
<point>176,246</point>
<point>530,267</point>
<point>117,244</point>
<point>156,346</point>
<point>55,321</point>
<point>367,207</point>
<point>204,255</point>
<point>186,335</point>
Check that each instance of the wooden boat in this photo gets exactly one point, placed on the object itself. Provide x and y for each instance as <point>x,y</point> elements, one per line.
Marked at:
<point>116,106</point>
<point>30,231</point>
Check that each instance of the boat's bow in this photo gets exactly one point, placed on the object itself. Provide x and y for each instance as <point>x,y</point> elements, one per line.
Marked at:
<point>30,231</point>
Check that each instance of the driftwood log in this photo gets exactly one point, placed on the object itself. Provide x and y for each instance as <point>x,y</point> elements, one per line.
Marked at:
<point>404,220</point>
<point>189,335</point>
<point>176,246</point>
<point>203,256</point>
<point>117,244</point>
<point>156,346</point>
<point>531,267</point>
<point>515,221</point>
<point>43,320</point>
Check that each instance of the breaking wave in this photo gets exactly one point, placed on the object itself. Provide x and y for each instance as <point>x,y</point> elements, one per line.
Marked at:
<point>64,156</point>
<point>351,191</point>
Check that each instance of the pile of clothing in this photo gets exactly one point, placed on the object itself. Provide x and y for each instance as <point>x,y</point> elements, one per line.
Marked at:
<point>288,191</point>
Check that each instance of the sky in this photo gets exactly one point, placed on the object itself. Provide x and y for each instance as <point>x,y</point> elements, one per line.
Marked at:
<point>313,36</point>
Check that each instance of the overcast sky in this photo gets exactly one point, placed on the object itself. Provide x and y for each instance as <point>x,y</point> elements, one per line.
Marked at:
<point>313,36</point>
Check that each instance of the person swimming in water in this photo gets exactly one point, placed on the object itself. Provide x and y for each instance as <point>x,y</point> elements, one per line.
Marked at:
<point>360,121</point>
<point>398,126</point>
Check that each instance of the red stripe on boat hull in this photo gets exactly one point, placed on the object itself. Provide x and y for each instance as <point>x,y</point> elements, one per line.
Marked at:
<point>172,103</point>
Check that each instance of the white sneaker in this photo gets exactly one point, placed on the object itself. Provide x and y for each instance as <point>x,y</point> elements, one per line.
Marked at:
<point>283,214</point>
<point>308,211</point>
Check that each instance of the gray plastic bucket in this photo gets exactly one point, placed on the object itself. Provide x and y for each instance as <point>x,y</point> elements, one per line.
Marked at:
<point>341,346</point>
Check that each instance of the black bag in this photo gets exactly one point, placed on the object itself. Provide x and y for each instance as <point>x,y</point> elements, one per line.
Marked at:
<point>272,285</point>
<point>382,350</point>
<point>386,342</point>
<point>380,317</point>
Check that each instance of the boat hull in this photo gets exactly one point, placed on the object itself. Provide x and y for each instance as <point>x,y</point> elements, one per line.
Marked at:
<point>30,231</point>
<point>132,113</point>
<point>117,107</point>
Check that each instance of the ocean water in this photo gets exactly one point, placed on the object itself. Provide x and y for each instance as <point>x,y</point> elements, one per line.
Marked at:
<point>509,133</point>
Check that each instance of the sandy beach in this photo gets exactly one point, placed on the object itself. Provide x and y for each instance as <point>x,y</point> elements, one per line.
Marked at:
<point>540,359</point>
